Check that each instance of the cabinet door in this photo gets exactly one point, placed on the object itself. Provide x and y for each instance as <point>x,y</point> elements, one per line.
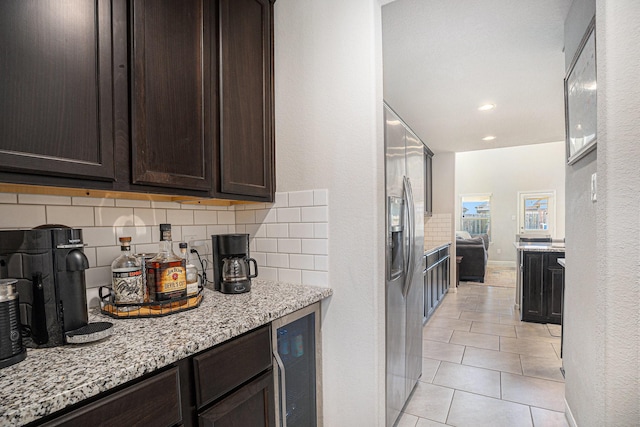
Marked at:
<point>171,99</point>
<point>56,81</point>
<point>554,286</point>
<point>245,76</point>
<point>533,303</point>
<point>251,405</point>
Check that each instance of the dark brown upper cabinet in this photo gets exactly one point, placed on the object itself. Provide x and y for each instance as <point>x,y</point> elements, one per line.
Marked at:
<point>171,96</point>
<point>245,149</point>
<point>56,88</point>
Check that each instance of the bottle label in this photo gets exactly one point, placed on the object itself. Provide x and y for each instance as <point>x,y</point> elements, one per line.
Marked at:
<point>170,282</point>
<point>127,286</point>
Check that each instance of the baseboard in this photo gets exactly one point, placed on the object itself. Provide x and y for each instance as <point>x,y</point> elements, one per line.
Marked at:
<point>569,415</point>
<point>502,263</point>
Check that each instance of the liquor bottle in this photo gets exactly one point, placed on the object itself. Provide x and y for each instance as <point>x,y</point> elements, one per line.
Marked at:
<point>193,280</point>
<point>166,272</point>
<point>126,273</point>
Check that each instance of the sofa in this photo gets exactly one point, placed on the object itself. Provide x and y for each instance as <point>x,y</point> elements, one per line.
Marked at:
<point>474,251</point>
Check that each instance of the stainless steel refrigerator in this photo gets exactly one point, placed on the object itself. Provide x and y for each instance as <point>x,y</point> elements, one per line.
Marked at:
<point>404,169</point>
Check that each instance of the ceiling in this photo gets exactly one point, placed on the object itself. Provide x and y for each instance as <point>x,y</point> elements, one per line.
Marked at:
<point>444,58</point>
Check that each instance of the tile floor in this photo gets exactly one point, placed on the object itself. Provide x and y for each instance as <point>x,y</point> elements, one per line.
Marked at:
<point>483,367</point>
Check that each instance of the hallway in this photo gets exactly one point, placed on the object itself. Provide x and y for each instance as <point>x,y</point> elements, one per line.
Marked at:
<point>483,367</point>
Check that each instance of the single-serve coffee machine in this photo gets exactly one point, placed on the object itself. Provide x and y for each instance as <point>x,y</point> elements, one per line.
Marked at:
<point>48,265</point>
<point>231,263</point>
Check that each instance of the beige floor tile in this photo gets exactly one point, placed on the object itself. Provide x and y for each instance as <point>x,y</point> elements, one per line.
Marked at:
<point>490,342</point>
<point>511,319</point>
<point>556,347</point>
<point>542,367</point>
<point>406,420</point>
<point>423,422</point>
<point>472,410</point>
<point>533,391</point>
<point>442,351</point>
<point>449,312</point>
<point>493,329</point>
<point>468,378</point>
<point>446,323</point>
<point>436,334</point>
<point>480,317</point>
<point>554,330</point>
<point>489,359</point>
<point>430,401</point>
<point>538,332</point>
<point>546,418</point>
<point>527,346</point>
<point>429,369</point>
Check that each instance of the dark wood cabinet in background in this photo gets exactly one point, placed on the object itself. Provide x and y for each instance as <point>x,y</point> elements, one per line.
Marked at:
<point>56,84</point>
<point>171,97</point>
<point>245,148</point>
<point>436,279</point>
<point>542,287</point>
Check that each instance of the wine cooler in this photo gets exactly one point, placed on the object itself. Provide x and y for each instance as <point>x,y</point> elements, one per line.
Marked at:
<point>296,350</point>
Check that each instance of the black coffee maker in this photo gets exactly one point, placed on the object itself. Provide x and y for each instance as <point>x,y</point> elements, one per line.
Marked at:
<point>49,264</point>
<point>231,263</point>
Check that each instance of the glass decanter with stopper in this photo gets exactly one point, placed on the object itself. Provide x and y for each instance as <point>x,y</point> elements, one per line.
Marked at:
<point>126,274</point>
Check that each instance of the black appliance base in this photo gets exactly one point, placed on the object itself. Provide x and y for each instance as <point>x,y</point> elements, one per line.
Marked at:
<point>235,287</point>
<point>13,359</point>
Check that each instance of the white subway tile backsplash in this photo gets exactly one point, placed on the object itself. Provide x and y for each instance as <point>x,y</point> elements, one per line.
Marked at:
<point>126,203</point>
<point>315,278</point>
<point>217,229</point>
<point>301,230</point>
<point>268,273</point>
<point>92,201</point>
<point>137,234</point>
<point>278,260</point>
<point>76,216</point>
<point>194,232</point>
<point>105,255</point>
<point>321,262</point>
<point>315,246</point>
<point>287,215</point>
<point>18,216</point>
<point>165,205</point>
<point>255,230</point>
<point>98,276</point>
<point>99,236</point>
<point>315,214</point>
<point>8,198</point>
<point>266,245</point>
<point>289,276</point>
<point>245,217</point>
<point>149,248</point>
<point>277,230</point>
<point>205,217</point>
<point>90,253</point>
<point>266,216</point>
<point>320,197</point>
<point>282,200</point>
<point>144,217</point>
<point>112,216</point>
<point>217,208</point>
<point>43,199</point>
<point>193,206</point>
<point>321,231</point>
<point>226,217</point>
<point>179,217</point>
<point>289,246</point>
<point>301,198</point>
<point>260,257</point>
<point>302,262</point>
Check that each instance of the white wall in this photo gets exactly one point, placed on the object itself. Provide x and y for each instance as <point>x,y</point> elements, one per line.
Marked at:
<point>503,172</point>
<point>328,68</point>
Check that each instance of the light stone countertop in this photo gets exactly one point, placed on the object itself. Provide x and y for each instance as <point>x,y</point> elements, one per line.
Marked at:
<point>51,379</point>
<point>528,247</point>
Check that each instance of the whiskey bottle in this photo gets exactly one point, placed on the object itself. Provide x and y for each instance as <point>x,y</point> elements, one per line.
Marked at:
<point>166,272</point>
<point>193,280</point>
<point>126,274</point>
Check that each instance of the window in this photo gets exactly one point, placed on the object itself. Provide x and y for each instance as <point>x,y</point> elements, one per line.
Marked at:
<point>536,213</point>
<point>476,213</point>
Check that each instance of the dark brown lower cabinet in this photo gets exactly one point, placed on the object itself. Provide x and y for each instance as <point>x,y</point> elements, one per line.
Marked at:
<point>251,405</point>
<point>436,280</point>
<point>542,287</point>
<point>228,385</point>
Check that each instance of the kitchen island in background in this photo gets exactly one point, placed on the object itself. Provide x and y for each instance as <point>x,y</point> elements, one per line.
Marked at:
<point>50,380</point>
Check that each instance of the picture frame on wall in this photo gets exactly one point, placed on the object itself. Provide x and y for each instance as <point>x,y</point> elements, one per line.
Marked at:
<point>580,95</point>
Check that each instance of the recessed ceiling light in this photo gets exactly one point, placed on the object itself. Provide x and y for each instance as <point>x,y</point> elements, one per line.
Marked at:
<point>487,107</point>
<point>489,138</point>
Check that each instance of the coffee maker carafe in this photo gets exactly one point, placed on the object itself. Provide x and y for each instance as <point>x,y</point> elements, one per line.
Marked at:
<point>232,263</point>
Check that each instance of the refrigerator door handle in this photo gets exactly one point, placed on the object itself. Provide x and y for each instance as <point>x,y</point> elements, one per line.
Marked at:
<point>281,414</point>
<point>408,193</point>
